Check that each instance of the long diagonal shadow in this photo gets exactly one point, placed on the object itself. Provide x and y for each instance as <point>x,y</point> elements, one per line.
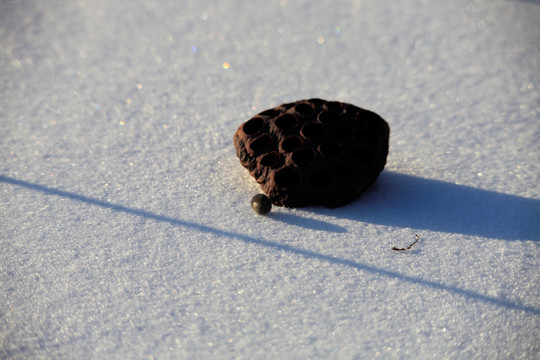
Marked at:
<point>413,202</point>
<point>273,245</point>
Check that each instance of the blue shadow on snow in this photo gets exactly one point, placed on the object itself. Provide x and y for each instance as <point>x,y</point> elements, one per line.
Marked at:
<point>305,222</point>
<point>418,203</point>
<point>273,245</point>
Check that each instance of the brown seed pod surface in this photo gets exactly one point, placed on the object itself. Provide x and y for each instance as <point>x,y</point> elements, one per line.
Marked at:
<point>313,152</point>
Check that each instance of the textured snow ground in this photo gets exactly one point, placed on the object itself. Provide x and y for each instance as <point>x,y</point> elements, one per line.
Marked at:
<point>125,228</point>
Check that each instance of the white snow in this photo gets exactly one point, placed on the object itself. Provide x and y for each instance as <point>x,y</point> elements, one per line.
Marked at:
<point>125,225</point>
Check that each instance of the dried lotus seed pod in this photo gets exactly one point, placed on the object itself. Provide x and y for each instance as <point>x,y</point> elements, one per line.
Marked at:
<point>313,152</point>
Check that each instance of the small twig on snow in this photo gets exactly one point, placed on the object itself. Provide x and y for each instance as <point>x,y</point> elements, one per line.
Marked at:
<point>408,247</point>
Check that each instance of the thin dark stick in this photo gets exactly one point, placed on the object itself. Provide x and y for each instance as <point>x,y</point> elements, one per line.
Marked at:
<point>408,247</point>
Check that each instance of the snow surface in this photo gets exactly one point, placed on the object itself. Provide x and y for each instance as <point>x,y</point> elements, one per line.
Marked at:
<point>125,224</point>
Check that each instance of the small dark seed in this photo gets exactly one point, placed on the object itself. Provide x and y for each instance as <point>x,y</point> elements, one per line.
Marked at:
<point>261,204</point>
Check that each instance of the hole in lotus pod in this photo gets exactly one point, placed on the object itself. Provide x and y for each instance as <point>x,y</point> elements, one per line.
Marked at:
<point>361,154</point>
<point>286,122</point>
<point>286,106</point>
<point>253,126</point>
<point>304,109</point>
<point>290,143</point>
<point>303,157</point>
<point>319,178</point>
<point>344,169</point>
<point>316,102</point>
<point>270,159</point>
<point>333,105</point>
<point>312,130</point>
<point>330,149</point>
<point>329,117</point>
<point>270,113</point>
<point>287,177</point>
<point>261,143</point>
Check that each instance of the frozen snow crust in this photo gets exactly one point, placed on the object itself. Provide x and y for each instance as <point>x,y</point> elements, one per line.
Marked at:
<point>126,230</point>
